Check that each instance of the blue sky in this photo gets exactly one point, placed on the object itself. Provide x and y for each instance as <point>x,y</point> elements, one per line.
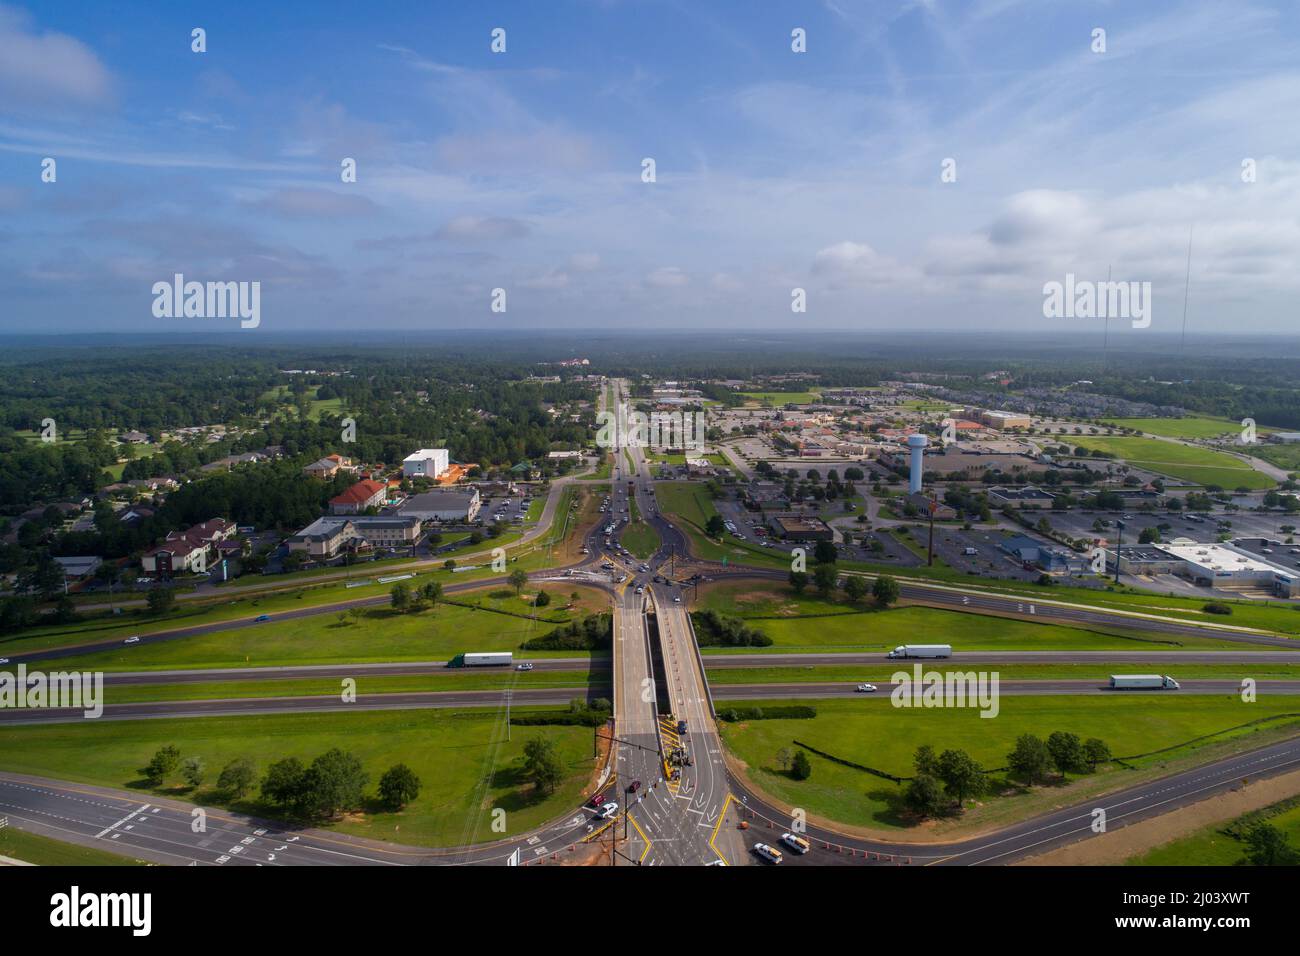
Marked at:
<point>522,170</point>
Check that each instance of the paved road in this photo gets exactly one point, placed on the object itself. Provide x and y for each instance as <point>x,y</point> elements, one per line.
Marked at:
<point>316,704</point>
<point>711,662</point>
<point>635,722</point>
<point>163,831</point>
<point>316,671</point>
<point>728,692</point>
<point>1038,835</point>
<point>876,658</point>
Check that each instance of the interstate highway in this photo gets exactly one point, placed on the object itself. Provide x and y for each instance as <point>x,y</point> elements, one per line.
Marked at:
<point>636,729</point>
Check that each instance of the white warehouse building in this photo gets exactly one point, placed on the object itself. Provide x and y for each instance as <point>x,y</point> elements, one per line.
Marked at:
<point>429,462</point>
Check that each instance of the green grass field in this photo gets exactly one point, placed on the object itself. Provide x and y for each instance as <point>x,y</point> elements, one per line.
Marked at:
<point>380,635</point>
<point>1284,456</point>
<point>1201,465</point>
<point>812,625</point>
<point>495,679</point>
<point>869,731</point>
<point>781,398</point>
<point>44,851</point>
<point>1193,426</point>
<point>1211,847</point>
<point>638,537</point>
<point>466,766</point>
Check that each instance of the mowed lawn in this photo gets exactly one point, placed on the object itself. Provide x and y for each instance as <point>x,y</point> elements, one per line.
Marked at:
<point>782,398</point>
<point>813,625</point>
<point>871,732</point>
<point>1209,847</point>
<point>379,634</point>
<point>1201,465</point>
<point>1194,426</point>
<point>464,762</point>
<point>43,851</point>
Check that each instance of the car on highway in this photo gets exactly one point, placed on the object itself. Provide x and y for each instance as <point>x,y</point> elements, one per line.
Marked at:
<point>796,843</point>
<point>132,640</point>
<point>634,786</point>
<point>768,853</point>
<point>608,810</point>
<point>4,660</point>
<point>261,617</point>
<point>866,688</point>
<point>525,666</point>
<point>677,599</point>
<point>640,589</point>
<point>598,799</point>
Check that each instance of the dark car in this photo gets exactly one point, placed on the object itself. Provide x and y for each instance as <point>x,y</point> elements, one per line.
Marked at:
<point>634,786</point>
<point>261,617</point>
<point>598,799</point>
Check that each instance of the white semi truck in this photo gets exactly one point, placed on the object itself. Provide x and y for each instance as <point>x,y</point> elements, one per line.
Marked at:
<point>1142,682</point>
<point>494,659</point>
<point>921,651</point>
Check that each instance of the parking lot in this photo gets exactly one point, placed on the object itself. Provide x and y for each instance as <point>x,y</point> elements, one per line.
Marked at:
<point>1080,524</point>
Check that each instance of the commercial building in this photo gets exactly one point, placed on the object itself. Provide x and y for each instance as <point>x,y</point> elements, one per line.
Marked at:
<point>327,537</point>
<point>999,420</point>
<point>360,497</point>
<point>188,550</point>
<point>427,462</point>
<point>79,568</point>
<point>329,466</point>
<point>444,505</point>
<point>1225,567</point>
<point>1026,497</point>
<point>801,528</point>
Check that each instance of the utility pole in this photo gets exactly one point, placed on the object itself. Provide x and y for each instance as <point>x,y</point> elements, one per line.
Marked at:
<point>1119,543</point>
<point>934,506</point>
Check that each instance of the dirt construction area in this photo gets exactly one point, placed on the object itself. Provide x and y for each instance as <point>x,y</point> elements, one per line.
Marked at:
<point>1119,845</point>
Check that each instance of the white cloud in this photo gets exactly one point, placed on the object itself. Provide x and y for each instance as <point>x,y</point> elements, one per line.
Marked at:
<point>47,69</point>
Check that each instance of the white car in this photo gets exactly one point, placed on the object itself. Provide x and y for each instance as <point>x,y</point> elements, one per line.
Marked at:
<point>677,599</point>
<point>524,667</point>
<point>132,640</point>
<point>4,660</point>
<point>866,688</point>
<point>607,811</point>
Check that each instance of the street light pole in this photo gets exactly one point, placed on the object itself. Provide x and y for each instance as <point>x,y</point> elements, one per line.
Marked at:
<point>1119,543</point>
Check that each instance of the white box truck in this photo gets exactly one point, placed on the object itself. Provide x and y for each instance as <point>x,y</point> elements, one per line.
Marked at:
<point>921,651</point>
<point>1142,682</point>
<point>494,659</point>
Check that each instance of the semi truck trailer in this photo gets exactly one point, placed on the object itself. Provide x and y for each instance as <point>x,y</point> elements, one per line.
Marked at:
<point>495,659</point>
<point>1142,682</point>
<point>920,651</point>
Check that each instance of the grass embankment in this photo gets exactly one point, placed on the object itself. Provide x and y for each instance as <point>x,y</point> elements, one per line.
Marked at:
<point>1203,466</point>
<point>44,851</point>
<point>377,634</point>
<point>466,766</point>
<point>1211,846</point>
<point>813,624</point>
<point>638,537</point>
<point>869,731</point>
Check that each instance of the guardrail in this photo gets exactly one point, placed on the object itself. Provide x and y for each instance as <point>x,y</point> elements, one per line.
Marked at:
<point>699,660</point>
